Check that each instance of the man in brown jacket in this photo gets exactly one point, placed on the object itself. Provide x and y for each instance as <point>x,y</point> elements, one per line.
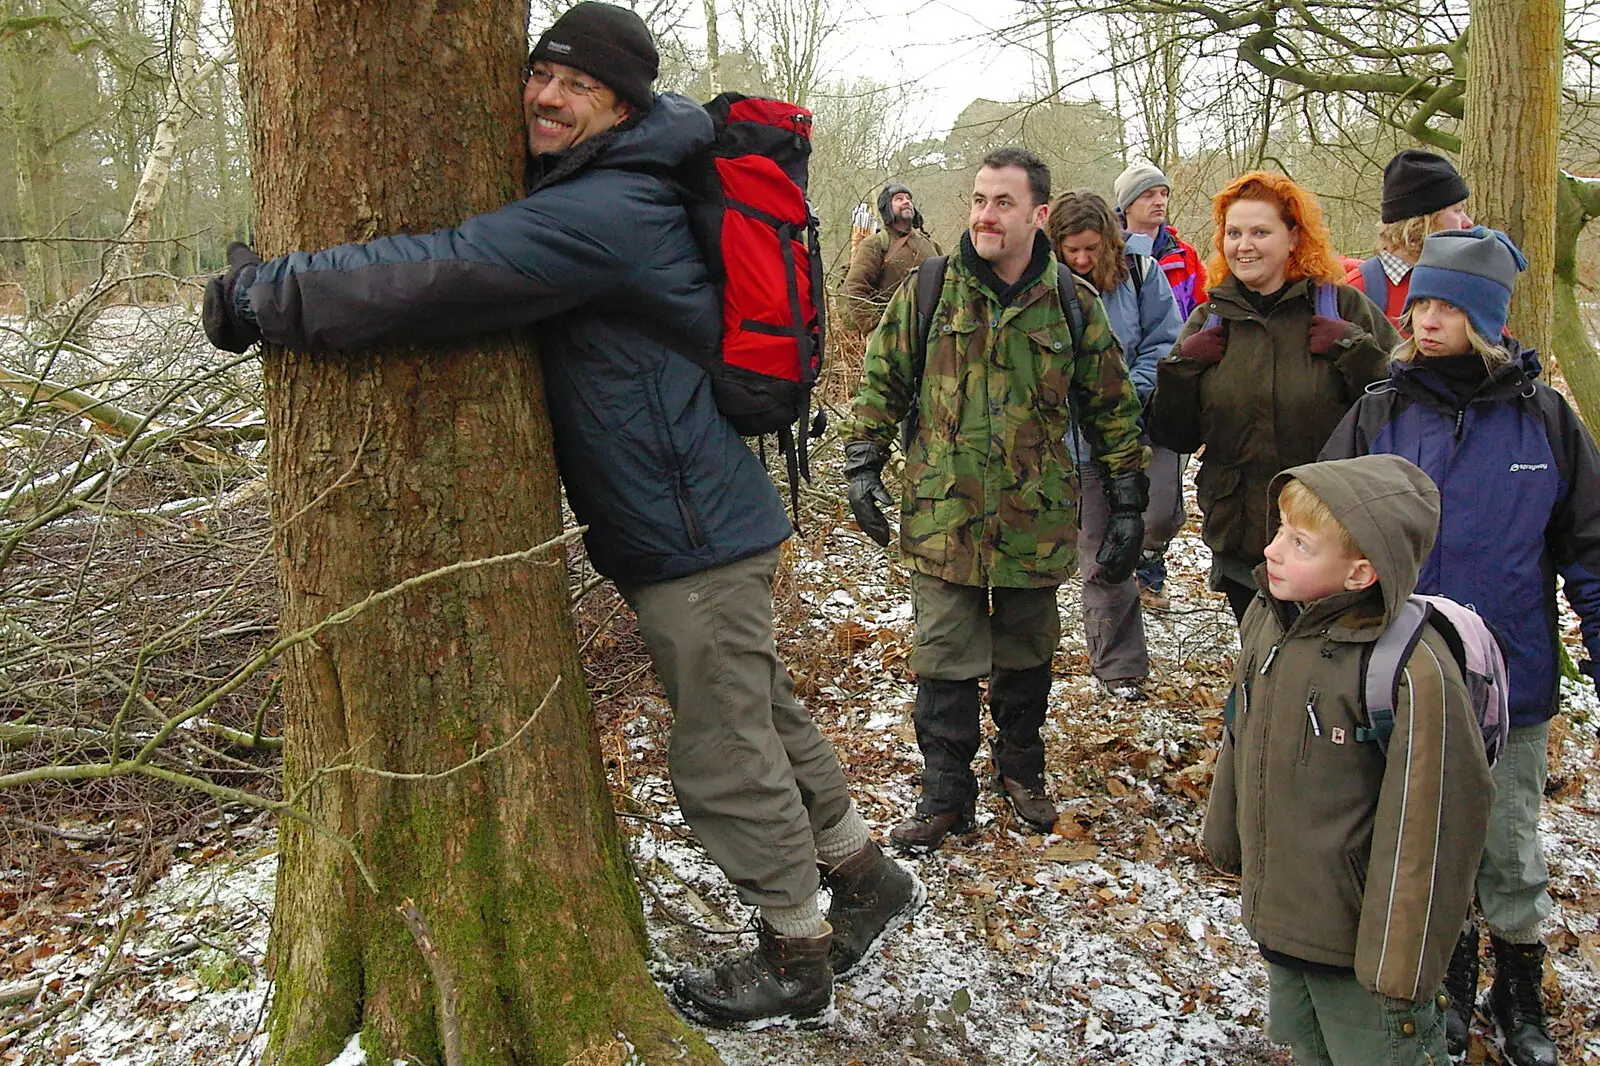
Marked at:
<point>882,261</point>
<point>1356,866</point>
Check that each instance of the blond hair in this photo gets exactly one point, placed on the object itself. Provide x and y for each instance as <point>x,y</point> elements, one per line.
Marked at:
<point>1494,356</point>
<point>1404,238</point>
<point>1298,504</point>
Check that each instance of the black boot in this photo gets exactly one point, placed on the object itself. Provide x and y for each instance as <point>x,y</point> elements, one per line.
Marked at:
<point>785,979</point>
<point>1518,1003</point>
<point>870,893</point>
<point>1461,986</point>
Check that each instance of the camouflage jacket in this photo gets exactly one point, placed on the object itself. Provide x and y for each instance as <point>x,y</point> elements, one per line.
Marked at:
<point>991,495</point>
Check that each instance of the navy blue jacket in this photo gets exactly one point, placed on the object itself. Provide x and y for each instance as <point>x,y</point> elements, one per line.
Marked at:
<point>1519,489</point>
<point>600,266</point>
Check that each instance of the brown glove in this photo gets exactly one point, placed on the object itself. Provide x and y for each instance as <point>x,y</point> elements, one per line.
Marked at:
<point>1205,347</point>
<point>1329,334</point>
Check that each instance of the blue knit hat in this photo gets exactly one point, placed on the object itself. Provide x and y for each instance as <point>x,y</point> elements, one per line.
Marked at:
<point>1475,269</point>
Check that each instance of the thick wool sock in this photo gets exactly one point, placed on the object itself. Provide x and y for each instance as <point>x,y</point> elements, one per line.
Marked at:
<point>843,838</point>
<point>804,921</point>
<point>1532,934</point>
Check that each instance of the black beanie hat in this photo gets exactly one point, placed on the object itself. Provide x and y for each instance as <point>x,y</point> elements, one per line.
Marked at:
<point>610,42</point>
<point>1419,183</point>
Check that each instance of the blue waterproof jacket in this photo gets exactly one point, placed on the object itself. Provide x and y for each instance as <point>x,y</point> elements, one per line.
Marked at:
<point>1519,488</point>
<point>604,269</point>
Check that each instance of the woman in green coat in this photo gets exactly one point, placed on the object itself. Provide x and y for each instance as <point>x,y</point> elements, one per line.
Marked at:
<point>1264,371</point>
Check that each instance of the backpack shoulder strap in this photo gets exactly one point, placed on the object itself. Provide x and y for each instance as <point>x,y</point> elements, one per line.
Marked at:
<point>1071,306</point>
<point>1374,279</point>
<point>1326,299</point>
<point>930,282</point>
<point>1137,267</point>
<point>1380,670</point>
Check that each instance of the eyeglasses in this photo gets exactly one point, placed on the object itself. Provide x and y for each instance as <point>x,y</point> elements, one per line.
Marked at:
<point>577,86</point>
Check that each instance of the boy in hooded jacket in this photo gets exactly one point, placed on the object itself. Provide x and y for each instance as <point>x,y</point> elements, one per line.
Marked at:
<point>1356,866</point>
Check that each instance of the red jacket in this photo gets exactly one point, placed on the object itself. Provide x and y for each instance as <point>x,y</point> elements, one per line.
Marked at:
<point>1392,298</point>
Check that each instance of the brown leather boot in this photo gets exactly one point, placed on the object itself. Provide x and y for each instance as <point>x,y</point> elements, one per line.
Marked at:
<point>785,980</point>
<point>1032,803</point>
<point>926,831</point>
<point>871,892</point>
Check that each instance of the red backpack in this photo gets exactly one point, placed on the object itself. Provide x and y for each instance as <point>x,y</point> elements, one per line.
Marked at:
<point>747,205</point>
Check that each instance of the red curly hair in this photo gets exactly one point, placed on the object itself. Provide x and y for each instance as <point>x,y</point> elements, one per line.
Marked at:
<point>1314,258</point>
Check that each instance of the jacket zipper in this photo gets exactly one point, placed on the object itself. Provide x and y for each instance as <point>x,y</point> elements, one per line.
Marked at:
<point>1313,728</point>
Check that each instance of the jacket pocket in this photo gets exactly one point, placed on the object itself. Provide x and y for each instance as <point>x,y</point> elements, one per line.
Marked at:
<point>691,520</point>
<point>1356,865</point>
<point>1310,729</point>
<point>931,514</point>
<point>1219,493</point>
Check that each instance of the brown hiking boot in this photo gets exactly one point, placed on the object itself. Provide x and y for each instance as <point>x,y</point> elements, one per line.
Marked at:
<point>871,892</point>
<point>928,830</point>
<point>785,980</point>
<point>1031,802</point>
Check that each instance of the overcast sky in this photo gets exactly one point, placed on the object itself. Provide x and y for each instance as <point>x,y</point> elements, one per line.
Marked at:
<point>943,47</point>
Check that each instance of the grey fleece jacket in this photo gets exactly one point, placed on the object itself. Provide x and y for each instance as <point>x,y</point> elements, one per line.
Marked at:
<point>1347,857</point>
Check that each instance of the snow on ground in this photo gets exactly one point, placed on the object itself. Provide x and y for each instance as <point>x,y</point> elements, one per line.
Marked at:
<point>1110,941</point>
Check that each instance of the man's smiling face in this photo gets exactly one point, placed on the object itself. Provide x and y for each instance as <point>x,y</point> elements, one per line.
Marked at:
<point>563,107</point>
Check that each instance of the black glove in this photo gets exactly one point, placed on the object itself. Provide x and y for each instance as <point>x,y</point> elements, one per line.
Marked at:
<point>863,465</point>
<point>223,328</point>
<point>1120,548</point>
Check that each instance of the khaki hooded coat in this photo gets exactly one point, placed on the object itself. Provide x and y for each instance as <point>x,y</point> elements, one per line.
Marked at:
<point>1347,856</point>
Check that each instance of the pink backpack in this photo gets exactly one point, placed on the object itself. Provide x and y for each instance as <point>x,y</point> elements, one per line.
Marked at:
<point>1477,652</point>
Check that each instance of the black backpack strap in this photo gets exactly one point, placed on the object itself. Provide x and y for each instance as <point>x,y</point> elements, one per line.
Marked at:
<point>1072,307</point>
<point>1137,269</point>
<point>930,282</point>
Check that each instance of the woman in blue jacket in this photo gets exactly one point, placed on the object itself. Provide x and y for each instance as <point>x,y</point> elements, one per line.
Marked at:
<point>1519,484</point>
<point>1144,316</point>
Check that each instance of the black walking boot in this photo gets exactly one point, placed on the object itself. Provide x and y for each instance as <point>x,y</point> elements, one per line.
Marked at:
<point>1461,986</point>
<point>785,979</point>
<point>1517,1002</point>
<point>870,893</point>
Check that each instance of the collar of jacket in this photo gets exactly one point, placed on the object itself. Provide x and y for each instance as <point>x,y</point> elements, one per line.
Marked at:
<point>1229,301</point>
<point>980,269</point>
<point>1418,382</point>
<point>1350,617</point>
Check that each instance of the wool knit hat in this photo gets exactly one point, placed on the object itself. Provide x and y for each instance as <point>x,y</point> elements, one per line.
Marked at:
<point>608,42</point>
<point>1475,269</point>
<point>1135,182</point>
<point>1419,183</point>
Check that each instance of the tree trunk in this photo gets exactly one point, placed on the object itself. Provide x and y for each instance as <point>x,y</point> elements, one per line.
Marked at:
<point>713,49</point>
<point>388,116</point>
<point>1577,204</point>
<point>1510,136</point>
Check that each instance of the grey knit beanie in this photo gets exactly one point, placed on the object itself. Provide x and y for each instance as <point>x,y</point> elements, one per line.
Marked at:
<point>1475,269</point>
<point>1135,182</point>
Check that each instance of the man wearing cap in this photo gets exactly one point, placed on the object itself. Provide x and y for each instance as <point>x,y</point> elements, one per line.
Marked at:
<point>598,261</point>
<point>1422,194</point>
<point>882,261</point>
<point>1141,194</point>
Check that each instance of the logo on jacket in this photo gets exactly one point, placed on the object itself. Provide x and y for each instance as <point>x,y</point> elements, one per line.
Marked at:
<point>1515,467</point>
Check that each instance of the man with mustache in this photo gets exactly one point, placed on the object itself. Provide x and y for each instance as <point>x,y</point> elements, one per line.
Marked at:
<point>989,517</point>
<point>599,261</point>
<point>882,261</point>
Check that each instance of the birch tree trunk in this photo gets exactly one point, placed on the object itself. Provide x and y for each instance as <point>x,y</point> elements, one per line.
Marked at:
<point>1509,140</point>
<point>397,116</point>
<point>713,49</point>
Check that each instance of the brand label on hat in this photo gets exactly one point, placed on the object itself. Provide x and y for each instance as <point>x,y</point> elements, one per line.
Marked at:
<point>559,46</point>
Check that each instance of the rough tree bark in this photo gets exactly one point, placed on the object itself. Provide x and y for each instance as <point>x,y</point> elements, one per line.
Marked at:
<point>1509,141</point>
<point>1577,204</point>
<point>386,116</point>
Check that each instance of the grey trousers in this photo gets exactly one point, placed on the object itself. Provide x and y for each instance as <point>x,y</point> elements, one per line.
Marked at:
<point>755,778</point>
<point>1113,627</point>
<point>958,635</point>
<point>1513,881</point>
<point>1332,1020</point>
